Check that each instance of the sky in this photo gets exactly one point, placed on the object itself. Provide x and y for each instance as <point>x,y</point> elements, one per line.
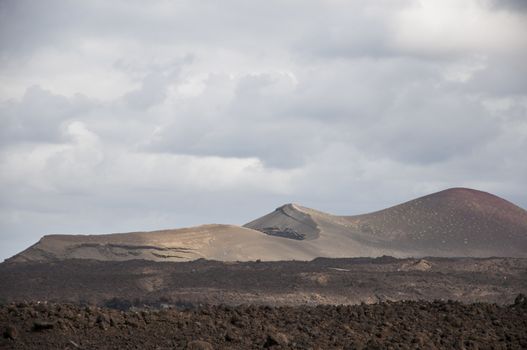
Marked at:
<point>120,116</point>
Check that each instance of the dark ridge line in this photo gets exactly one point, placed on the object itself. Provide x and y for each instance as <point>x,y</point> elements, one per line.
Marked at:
<point>295,219</point>
<point>167,256</point>
<point>132,247</point>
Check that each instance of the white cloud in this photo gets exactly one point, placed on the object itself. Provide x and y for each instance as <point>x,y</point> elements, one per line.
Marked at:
<point>456,27</point>
<point>121,116</point>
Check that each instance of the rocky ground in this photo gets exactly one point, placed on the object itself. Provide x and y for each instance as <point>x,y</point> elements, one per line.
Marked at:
<point>321,281</point>
<point>382,303</point>
<point>399,325</point>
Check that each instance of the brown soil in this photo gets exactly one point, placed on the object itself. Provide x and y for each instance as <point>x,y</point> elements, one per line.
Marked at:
<point>401,325</point>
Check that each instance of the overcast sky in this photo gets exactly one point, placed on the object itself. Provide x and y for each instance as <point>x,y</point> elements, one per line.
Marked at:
<point>121,116</point>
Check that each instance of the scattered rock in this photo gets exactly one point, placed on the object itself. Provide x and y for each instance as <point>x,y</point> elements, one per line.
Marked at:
<point>396,325</point>
<point>420,265</point>
<point>231,336</point>
<point>199,345</point>
<point>101,318</point>
<point>237,321</point>
<point>41,325</point>
<point>276,338</point>
<point>102,321</point>
<point>521,300</point>
<point>75,345</point>
<point>10,332</point>
<point>132,323</point>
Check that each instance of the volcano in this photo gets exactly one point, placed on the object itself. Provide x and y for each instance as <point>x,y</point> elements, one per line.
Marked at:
<point>458,222</point>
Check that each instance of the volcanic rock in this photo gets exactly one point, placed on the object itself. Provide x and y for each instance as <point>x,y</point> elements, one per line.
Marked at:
<point>199,345</point>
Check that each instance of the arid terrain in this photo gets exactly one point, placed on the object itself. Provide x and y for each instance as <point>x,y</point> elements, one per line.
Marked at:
<point>451,223</point>
<point>448,270</point>
<point>401,325</point>
<point>321,281</point>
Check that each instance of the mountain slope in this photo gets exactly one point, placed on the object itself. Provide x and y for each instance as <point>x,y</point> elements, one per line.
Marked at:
<point>218,242</point>
<point>454,222</point>
<point>458,221</point>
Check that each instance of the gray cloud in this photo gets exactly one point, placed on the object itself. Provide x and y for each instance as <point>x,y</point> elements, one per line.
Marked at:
<point>121,115</point>
<point>504,76</point>
<point>512,5</point>
<point>38,116</point>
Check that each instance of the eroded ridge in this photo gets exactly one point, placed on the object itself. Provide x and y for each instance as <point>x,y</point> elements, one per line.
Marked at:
<point>288,221</point>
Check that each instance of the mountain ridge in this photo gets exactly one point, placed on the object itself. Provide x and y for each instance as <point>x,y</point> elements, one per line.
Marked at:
<point>452,222</point>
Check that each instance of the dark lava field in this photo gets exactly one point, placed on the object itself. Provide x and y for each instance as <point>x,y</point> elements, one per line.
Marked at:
<point>387,325</point>
<point>360,303</point>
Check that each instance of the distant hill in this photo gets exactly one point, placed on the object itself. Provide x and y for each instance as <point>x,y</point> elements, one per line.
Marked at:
<point>458,221</point>
<point>450,223</point>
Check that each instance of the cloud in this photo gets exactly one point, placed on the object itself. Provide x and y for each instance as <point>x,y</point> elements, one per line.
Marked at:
<point>154,84</point>
<point>38,117</point>
<point>120,116</point>
<point>510,5</point>
<point>438,29</point>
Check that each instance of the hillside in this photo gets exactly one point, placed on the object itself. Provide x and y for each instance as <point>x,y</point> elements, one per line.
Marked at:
<point>454,222</point>
<point>218,242</point>
<point>450,223</point>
